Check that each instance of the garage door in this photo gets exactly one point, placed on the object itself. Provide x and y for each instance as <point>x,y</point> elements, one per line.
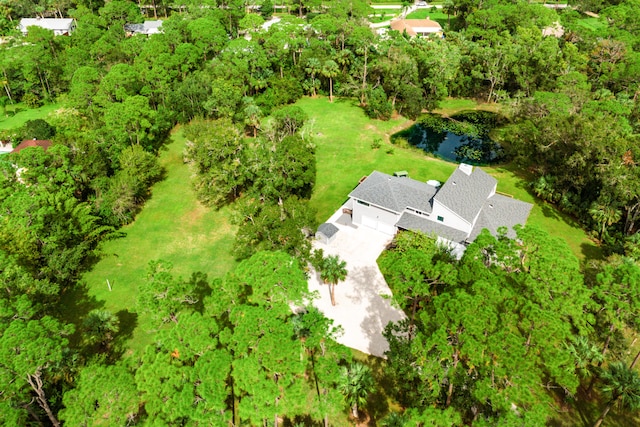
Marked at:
<point>370,222</point>
<point>378,225</point>
<point>386,228</point>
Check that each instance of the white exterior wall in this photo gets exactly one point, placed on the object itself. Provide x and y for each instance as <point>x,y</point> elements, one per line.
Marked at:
<point>451,219</point>
<point>374,217</point>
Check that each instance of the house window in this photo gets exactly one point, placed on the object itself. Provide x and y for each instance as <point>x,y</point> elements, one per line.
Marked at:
<point>363,203</point>
<point>441,219</point>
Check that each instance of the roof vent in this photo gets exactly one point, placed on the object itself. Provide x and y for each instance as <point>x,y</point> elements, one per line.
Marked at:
<point>467,169</point>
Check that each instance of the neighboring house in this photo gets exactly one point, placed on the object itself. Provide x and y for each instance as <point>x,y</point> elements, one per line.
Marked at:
<point>147,28</point>
<point>417,27</point>
<point>43,143</point>
<point>456,212</point>
<point>60,27</point>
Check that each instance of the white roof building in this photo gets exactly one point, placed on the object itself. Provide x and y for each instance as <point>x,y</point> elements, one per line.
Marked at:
<point>59,26</point>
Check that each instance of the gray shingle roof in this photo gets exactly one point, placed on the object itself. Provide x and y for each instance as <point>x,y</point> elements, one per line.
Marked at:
<point>466,194</point>
<point>501,211</point>
<point>328,229</point>
<point>393,193</point>
<point>409,221</point>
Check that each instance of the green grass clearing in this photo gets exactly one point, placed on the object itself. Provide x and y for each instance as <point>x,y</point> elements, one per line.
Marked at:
<point>593,24</point>
<point>17,115</point>
<point>173,226</point>
<point>438,16</point>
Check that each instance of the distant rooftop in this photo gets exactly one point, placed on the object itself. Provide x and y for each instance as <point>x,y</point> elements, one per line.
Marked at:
<point>58,25</point>
<point>413,27</point>
<point>147,27</point>
<point>42,143</point>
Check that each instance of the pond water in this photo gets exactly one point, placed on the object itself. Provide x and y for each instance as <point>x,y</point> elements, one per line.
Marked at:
<point>460,138</point>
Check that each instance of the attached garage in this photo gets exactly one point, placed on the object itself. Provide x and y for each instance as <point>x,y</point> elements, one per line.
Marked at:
<point>379,225</point>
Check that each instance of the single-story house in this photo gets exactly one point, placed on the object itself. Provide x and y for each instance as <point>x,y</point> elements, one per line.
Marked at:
<point>417,27</point>
<point>42,143</point>
<point>456,211</point>
<point>59,26</point>
<point>147,28</point>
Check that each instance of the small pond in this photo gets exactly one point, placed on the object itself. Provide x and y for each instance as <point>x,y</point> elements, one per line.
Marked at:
<point>460,138</point>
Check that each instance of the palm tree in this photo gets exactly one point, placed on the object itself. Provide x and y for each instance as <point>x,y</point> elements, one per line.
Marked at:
<point>333,270</point>
<point>394,419</point>
<point>605,216</point>
<point>101,327</point>
<point>449,8</point>
<point>330,70</point>
<point>585,355</point>
<point>312,68</point>
<point>355,384</point>
<point>622,387</point>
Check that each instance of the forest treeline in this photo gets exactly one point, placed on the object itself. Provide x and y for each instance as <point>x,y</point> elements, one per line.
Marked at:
<point>573,115</point>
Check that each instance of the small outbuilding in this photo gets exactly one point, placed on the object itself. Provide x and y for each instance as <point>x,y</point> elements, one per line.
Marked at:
<point>327,233</point>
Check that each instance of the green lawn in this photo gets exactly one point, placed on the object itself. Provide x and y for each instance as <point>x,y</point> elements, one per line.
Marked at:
<point>593,24</point>
<point>173,226</point>
<point>438,16</point>
<point>17,115</point>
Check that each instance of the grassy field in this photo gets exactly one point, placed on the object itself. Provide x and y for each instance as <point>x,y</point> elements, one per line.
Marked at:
<point>173,226</point>
<point>17,115</point>
<point>438,16</point>
<point>593,24</point>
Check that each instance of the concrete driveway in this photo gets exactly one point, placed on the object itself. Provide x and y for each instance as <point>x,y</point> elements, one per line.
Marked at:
<point>360,309</point>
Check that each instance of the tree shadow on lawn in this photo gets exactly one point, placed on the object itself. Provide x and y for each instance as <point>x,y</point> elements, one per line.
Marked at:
<point>202,289</point>
<point>377,406</point>
<point>75,304</point>
<point>128,324</point>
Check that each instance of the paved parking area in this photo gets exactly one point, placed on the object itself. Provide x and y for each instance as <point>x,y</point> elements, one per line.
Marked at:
<point>360,308</point>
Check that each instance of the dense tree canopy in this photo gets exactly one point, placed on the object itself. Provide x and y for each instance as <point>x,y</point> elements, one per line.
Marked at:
<point>496,338</point>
